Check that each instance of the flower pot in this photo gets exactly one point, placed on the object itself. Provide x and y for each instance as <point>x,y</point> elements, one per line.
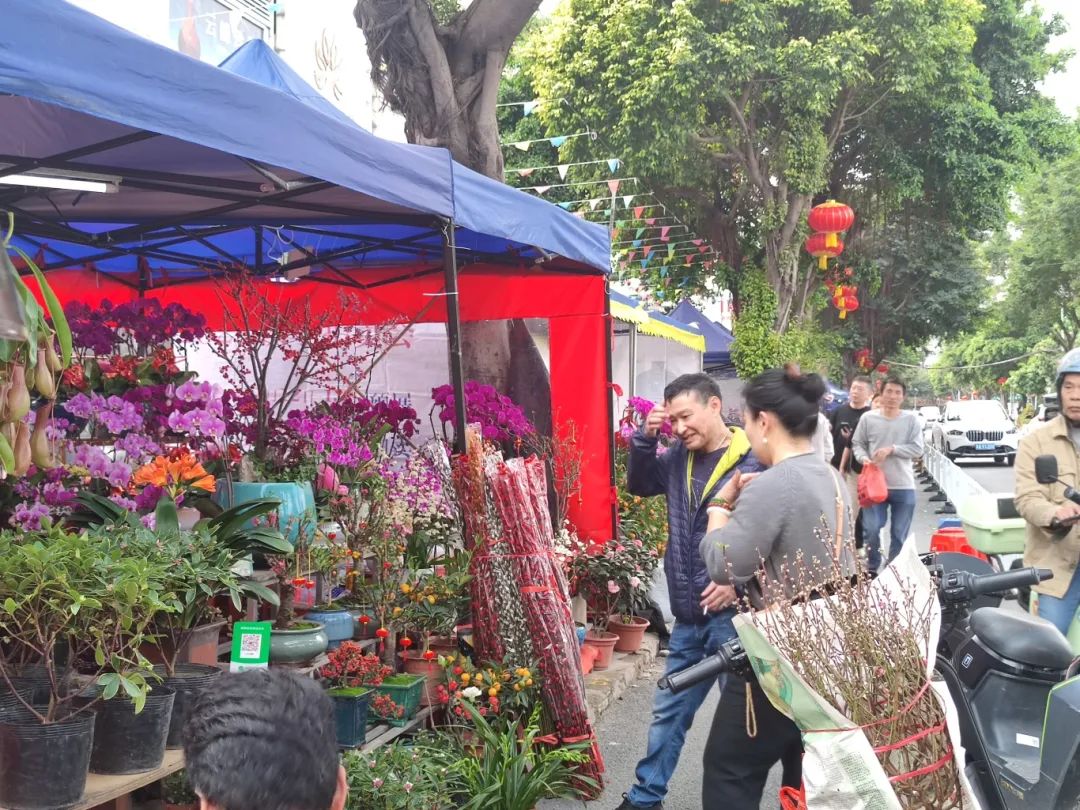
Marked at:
<point>604,644</point>
<point>126,742</point>
<point>405,690</point>
<point>630,635</point>
<point>188,681</point>
<point>297,646</point>
<point>443,645</point>
<point>201,646</point>
<point>415,664</point>
<point>351,715</point>
<point>44,766</point>
<point>337,623</point>
<point>296,513</point>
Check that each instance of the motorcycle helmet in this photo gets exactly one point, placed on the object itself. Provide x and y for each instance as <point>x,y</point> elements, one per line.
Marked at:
<point>1070,364</point>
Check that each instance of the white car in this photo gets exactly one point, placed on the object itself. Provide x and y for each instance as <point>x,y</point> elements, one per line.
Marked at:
<point>977,428</point>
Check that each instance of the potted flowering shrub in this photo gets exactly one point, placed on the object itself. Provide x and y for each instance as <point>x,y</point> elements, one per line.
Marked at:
<point>79,593</point>
<point>613,579</point>
<point>394,777</point>
<point>503,693</point>
<point>501,420</point>
<point>351,675</point>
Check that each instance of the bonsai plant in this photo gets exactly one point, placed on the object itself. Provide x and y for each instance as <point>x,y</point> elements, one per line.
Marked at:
<point>351,674</point>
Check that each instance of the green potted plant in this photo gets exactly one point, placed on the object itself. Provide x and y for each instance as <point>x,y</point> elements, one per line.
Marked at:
<point>394,777</point>
<point>70,599</point>
<point>177,793</point>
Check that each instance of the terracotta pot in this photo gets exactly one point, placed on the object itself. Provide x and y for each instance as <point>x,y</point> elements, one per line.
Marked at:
<point>630,635</point>
<point>604,643</point>
<point>200,648</point>
<point>415,664</point>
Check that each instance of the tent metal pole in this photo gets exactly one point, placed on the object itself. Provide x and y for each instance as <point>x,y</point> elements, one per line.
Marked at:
<point>631,386</point>
<point>453,334</point>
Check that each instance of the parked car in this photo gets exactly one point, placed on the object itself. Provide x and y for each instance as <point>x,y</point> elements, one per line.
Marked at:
<point>976,428</point>
<point>1049,408</point>
<point>928,415</point>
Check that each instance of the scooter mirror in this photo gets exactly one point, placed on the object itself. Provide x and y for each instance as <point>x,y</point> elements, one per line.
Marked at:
<point>1046,469</point>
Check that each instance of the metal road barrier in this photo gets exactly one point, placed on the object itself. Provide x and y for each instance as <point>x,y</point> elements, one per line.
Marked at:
<point>955,484</point>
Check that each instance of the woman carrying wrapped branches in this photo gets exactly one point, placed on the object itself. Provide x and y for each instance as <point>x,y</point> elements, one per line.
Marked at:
<point>760,526</point>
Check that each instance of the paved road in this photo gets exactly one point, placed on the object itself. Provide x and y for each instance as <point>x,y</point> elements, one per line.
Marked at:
<point>995,477</point>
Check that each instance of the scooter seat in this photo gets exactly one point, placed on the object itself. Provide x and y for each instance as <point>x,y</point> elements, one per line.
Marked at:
<point>1022,638</point>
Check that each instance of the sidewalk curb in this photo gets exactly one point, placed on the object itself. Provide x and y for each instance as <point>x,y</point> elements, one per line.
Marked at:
<point>604,688</point>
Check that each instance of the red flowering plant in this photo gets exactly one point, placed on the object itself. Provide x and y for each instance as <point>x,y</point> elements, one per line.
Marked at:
<point>383,706</point>
<point>612,578</point>
<point>503,693</point>
<point>350,667</point>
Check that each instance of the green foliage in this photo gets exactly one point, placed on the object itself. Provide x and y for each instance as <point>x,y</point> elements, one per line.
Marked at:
<point>393,777</point>
<point>757,344</point>
<point>85,591</point>
<point>497,770</point>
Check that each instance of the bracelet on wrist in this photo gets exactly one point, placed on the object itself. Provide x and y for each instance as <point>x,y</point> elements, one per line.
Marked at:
<point>723,503</point>
<point>723,510</point>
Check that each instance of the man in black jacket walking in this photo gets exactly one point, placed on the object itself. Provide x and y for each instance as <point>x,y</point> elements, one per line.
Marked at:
<point>688,474</point>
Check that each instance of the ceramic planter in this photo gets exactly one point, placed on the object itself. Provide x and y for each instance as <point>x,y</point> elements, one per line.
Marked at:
<point>297,646</point>
<point>337,624</point>
<point>296,513</point>
<point>630,634</point>
<point>604,644</point>
<point>350,715</point>
<point>416,664</point>
<point>361,630</point>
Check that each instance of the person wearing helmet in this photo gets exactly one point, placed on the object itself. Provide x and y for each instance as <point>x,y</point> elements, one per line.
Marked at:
<point>1053,533</point>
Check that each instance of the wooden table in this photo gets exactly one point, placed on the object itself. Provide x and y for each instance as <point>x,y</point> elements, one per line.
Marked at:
<point>382,734</point>
<point>115,791</point>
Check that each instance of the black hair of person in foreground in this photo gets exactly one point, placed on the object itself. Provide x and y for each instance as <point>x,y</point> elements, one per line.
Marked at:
<point>264,740</point>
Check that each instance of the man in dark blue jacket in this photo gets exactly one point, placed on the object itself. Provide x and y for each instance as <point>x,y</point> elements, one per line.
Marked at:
<point>689,474</point>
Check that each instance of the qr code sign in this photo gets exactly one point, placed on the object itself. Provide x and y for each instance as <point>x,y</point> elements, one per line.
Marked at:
<point>250,645</point>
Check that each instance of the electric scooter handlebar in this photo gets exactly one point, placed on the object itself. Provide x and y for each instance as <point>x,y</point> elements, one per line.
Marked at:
<point>730,658</point>
<point>957,587</point>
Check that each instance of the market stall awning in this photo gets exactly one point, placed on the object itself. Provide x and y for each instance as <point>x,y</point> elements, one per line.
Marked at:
<point>718,340</point>
<point>650,322</point>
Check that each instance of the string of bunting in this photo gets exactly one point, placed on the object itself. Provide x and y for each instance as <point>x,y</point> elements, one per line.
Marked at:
<point>613,165</point>
<point>612,184</point>
<point>555,140</point>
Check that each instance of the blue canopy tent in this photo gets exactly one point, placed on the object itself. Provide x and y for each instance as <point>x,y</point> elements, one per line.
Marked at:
<point>133,170</point>
<point>718,340</point>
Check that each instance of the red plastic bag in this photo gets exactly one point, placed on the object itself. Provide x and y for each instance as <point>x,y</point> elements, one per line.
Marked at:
<point>792,799</point>
<point>872,486</point>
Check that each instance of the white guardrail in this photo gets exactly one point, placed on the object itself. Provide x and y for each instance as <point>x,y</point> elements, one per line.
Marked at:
<point>953,481</point>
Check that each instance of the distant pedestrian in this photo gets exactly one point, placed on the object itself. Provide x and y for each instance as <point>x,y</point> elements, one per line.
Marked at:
<point>843,421</point>
<point>891,439</point>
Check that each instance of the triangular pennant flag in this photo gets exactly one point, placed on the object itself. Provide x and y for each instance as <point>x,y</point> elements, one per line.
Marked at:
<point>639,211</point>
<point>637,243</point>
<point>523,145</point>
<point>629,198</point>
<point>557,141</point>
<point>563,169</point>
<point>703,248</point>
<point>663,272</point>
<point>664,233</point>
<point>614,164</point>
<point>639,232</point>
<point>525,172</point>
<point>648,249</point>
<point>689,258</point>
<point>613,185</point>
<point>530,106</point>
<point>542,190</point>
<point>593,204</point>
<point>670,249</point>
<point>565,206</point>
<point>630,256</point>
<point>650,221</point>
<point>644,262</point>
<point>699,242</point>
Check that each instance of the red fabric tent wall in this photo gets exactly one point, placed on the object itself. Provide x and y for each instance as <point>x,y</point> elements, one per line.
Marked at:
<point>573,303</point>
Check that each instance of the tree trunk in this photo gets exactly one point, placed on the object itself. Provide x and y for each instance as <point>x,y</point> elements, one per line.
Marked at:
<point>444,79</point>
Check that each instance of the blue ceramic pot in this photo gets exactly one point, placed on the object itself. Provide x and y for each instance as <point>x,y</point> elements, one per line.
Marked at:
<point>297,510</point>
<point>351,716</point>
<point>337,622</point>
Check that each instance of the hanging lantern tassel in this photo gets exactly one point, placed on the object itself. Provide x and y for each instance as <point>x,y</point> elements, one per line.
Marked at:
<point>818,247</point>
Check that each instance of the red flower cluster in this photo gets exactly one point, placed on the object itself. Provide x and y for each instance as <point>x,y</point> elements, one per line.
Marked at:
<point>348,665</point>
<point>385,707</point>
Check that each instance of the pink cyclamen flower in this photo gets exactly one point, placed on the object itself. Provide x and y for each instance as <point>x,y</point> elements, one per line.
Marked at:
<point>376,783</point>
<point>635,582</point>
<point>408,787</point>
<point>612,587</point>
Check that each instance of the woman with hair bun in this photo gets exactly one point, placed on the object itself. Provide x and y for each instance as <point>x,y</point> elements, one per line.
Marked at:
<point>759,527</point>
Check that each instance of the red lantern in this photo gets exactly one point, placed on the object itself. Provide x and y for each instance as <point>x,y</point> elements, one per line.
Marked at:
<point>851,303</point>
<point>818,247</point>
<point>831,218</point>
<point>382,632</point>
<point>1003,381</point>
<point>406,642</point>
<point>862,359</point>
<point>883,368</point>
<point>429,655</point>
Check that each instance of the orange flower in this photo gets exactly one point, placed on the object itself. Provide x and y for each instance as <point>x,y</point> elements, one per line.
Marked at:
<point>174,474</point>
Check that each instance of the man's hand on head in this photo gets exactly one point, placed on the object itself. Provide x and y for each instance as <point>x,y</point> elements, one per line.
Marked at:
<point>655,420</point>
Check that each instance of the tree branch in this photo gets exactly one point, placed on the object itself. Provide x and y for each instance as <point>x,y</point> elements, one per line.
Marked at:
<point>489,25</point>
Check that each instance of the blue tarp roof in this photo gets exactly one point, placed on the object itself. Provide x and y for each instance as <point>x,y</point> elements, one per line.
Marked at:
<point>201,152</point>
<point>717,339</point>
